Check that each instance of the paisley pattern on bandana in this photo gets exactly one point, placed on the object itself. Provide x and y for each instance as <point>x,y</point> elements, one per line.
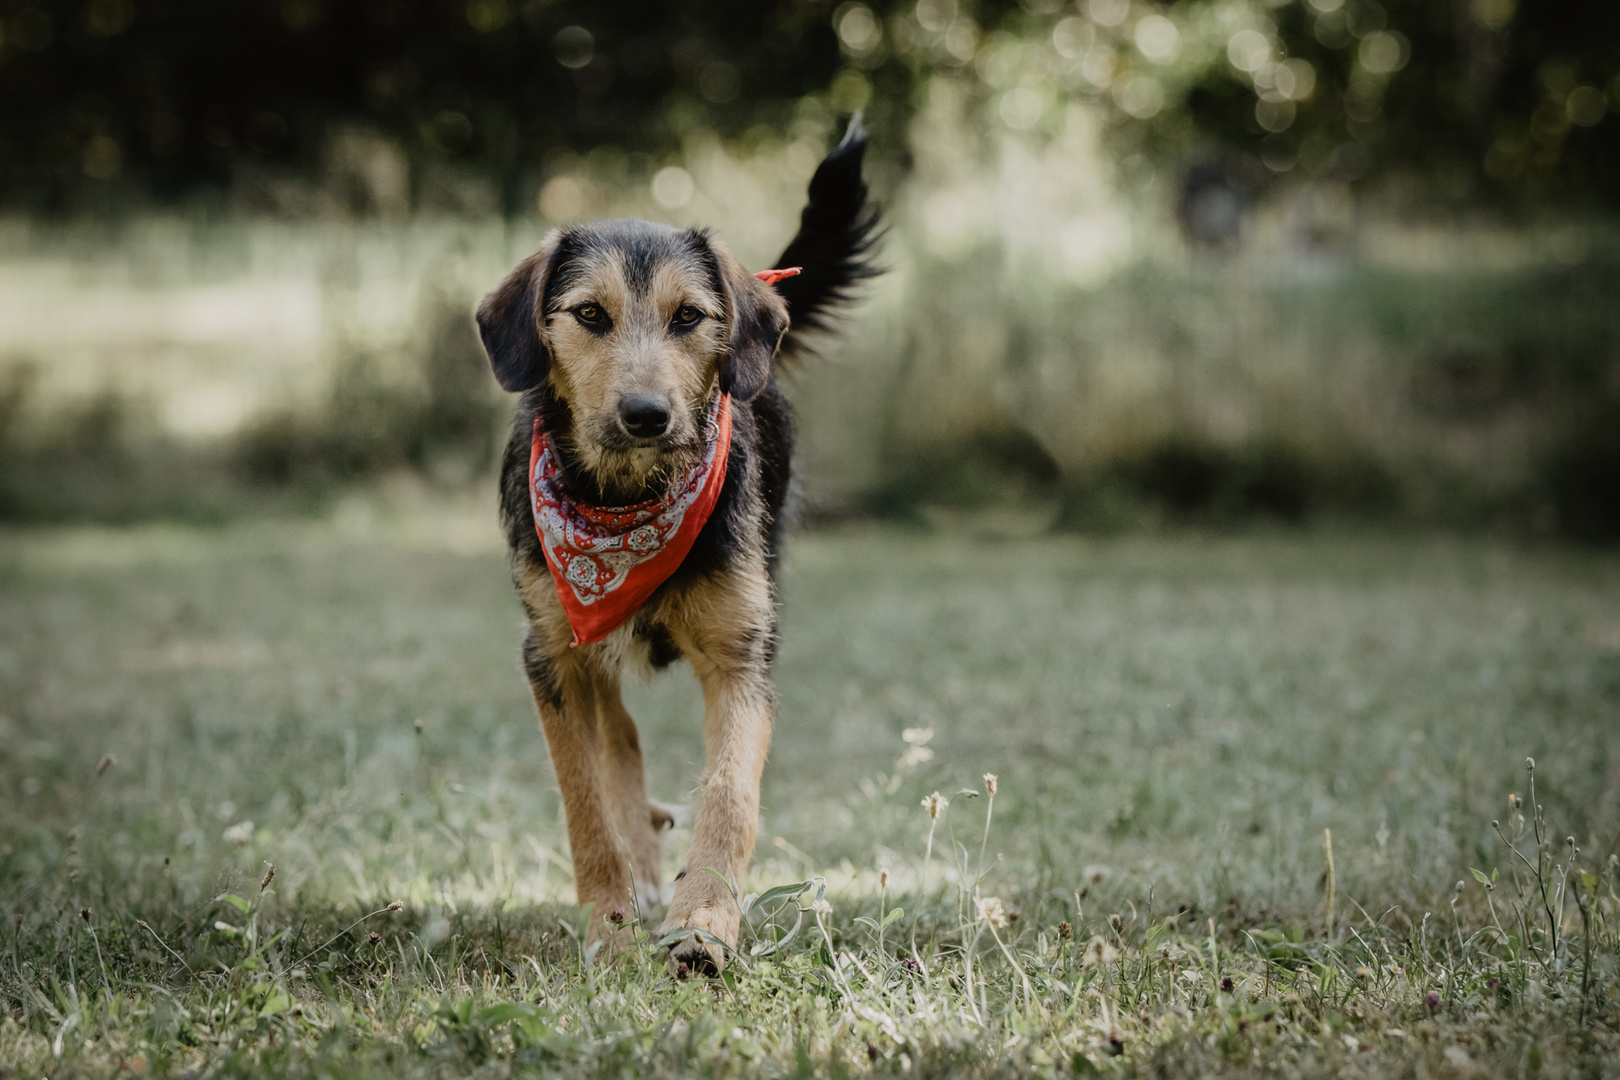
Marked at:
<point>606,560</point>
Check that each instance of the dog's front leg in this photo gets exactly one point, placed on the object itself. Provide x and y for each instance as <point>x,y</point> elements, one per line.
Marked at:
<point>736,735</point>
<point>733,666</point>
<point>639,822</point>
<point>567,696</point>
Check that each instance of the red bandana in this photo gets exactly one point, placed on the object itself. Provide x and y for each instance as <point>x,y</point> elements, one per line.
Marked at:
<point>606,560</point>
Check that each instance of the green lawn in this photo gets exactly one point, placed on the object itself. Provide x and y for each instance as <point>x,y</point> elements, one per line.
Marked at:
<point>1175,722</point>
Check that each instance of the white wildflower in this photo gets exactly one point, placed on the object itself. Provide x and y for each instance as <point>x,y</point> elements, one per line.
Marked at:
<point>917,752</point>
<point>1099,953</point>
<point>991,912</point>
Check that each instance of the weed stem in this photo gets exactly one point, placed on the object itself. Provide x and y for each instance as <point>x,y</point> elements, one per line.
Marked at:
<point>144,925</point>
<point>1332,885</point>
<point>395,906</point>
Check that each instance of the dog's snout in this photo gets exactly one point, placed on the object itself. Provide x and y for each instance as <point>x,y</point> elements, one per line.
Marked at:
<point>644,417</point>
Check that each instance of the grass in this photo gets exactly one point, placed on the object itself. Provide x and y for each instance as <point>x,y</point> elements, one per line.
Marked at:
<point>1239,778</point>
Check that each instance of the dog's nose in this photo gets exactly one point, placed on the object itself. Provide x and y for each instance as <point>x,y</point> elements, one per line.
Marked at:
<point>644,417</point>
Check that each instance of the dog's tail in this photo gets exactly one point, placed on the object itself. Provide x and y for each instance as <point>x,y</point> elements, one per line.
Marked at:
<point>838,232</point>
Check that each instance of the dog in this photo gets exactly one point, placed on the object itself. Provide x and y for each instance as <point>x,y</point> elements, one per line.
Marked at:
<point>642,496</point>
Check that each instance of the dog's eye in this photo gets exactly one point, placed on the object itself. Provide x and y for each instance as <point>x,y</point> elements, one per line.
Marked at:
<point>588,313</point>
<point>687,315</point>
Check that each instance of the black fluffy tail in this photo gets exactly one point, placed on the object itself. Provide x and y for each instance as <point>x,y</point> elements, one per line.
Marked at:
<point>837,233</point>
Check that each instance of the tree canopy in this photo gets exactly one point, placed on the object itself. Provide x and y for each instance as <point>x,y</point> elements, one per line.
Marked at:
<point>108,101</point>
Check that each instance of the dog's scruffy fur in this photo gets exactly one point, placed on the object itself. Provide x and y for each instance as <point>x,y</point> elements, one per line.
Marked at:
<point>606,326</point>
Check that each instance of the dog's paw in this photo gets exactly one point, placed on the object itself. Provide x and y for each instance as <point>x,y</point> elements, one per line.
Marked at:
<point>694,956</point>
<point>701,953</point>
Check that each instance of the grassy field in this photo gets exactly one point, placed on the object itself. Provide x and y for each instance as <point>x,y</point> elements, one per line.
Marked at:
<point>1176,723</point>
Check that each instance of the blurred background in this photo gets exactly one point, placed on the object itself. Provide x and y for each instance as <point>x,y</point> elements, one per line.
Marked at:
<point>1207,261</point>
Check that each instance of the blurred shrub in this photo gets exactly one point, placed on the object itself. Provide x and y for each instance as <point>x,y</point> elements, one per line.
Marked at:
<point>1462,390</point>
<point>985,467</point>
<point>104,460</point>
<point>1192,479</point>
<point>99,462</point>
<point>1580,476</point>
<point>1290,391</point>
<point>1179,480</point>
<point>445,423</point>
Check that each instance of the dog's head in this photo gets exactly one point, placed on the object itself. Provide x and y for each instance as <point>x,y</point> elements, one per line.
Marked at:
<point>632,324</point>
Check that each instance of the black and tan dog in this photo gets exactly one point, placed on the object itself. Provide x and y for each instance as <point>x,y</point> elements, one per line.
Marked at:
<point>642,497</point>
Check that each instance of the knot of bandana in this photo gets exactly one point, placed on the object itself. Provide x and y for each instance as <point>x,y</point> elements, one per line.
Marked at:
<point>607,560</point>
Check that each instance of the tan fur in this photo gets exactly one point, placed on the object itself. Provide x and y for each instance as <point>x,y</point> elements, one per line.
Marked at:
<point>721,628</point>
<point>596,754</point>
<point>640,356</point>
<point>721,624</point>
<point>594,332</point>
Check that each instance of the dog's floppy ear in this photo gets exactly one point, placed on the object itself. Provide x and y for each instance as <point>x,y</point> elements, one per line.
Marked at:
<point>509,322</point>
<point>757,318</point>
